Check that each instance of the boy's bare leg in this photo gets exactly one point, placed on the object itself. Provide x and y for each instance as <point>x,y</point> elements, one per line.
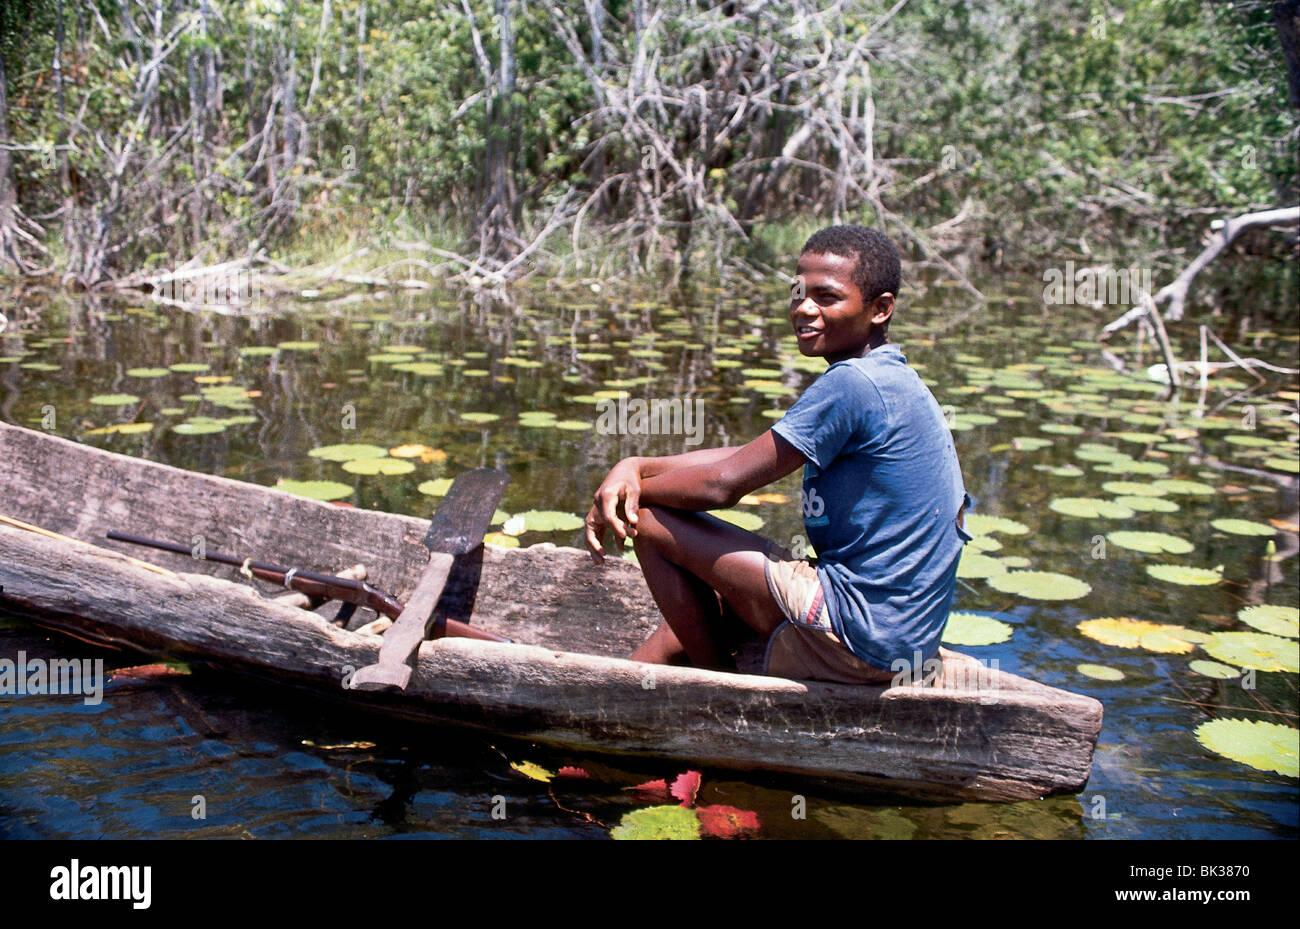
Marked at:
<point>690,560</point>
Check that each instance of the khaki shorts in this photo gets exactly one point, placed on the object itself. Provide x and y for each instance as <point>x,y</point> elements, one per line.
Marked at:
<point>805,646</point>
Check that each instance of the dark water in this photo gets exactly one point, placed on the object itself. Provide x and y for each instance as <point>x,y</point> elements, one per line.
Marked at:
<point>271,762</point>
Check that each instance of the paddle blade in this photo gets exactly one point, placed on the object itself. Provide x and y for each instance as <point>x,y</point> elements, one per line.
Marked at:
<point>466,511</point>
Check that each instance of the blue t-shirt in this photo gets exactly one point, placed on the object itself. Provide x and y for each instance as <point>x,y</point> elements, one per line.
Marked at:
<point>881,494</point>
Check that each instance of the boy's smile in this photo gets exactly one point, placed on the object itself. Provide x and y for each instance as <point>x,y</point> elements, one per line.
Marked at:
<point>830,320</point>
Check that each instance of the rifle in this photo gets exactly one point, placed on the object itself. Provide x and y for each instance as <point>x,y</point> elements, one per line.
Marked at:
<point>326,586</point>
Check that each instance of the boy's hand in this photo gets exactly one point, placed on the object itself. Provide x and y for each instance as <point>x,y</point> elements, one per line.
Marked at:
<point>616,503</point>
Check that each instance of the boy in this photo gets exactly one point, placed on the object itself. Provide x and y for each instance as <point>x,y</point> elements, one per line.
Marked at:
<point>882,498</point>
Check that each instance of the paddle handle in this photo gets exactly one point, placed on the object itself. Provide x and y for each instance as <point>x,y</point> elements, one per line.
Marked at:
<point>408,631</point>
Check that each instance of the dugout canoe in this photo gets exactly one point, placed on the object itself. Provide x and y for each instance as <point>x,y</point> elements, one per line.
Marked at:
<point>974,734</point>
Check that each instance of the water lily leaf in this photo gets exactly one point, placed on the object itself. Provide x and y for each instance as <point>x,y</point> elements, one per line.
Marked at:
<point>479,419</point>
<point>550,521</point>
<point>315,490</point>
<point>532,771</point>
<point>570,771</point>
<point>975,629</point>
<point>1275,620</point>
<point>1100,672</point>
<point>1091,451</point>
<point>374,466</point>
<point>1090,508</point>
<point>1181,574</point>
<point>1221,672</point>
<point>1040,585</point>
<point>1123,632</point>
<point>1286,465</point>
<point>500,540</point>
<point>1062,471</point>
<point>147,372</point>
<point>1243,527</point>
<point>299,346</point>
<point>196,427</point>
<point>1153,543</point>
<point>1256,650</point>
<point>190,367</point>
<point>1260,745</point>
<point>257,351</point>
<point>750,521</point>
<point>978,524</point>
<point>1029,443</point>
<point>422,368</point>
<point>1129,466</point>
<point>437,487</point>
<point>685,786</point>
<point>727,822</point>
<point>573,425</point>
<point>655,791</point>
<point>353,452</point>
<point>983,543</point>
<point>974,566</point>
<point>658,822</point>
<point>1060,429</point>
<point>1184,488</point>
<point>423,452</point>
<point>1148,504</point>
<point>114,399</point>
<point>1131,489</point>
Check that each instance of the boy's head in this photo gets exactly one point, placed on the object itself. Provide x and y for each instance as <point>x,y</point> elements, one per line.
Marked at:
<point>843,297</point>
<point>878,269</point>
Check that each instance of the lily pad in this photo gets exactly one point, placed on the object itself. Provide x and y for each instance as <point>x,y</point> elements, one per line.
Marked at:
<point>1214,669</point>
<point>974,566</point>
<point>1123,632</point>
<point>532,771</point>
<point>1181,574</point>
<point>1184,488</point>
<point>549,521</point>
<point>199,428</point>
<point>437,487</point>
<point>1131,489</point>
<point>973,629</point>
<point>147,372</point>
<point>1040,585</point>
<point>373,466</point>
<point>1275,620</point>
<point>299,346</point>
<point>315,490</point>
<point>1243,527</point>
<point>1152,543</point>
<point>114,399</point>
<point>1148,504</point>
<point>658,822</point>
<point>354,452</point>
<point>1256,650</point>
<point>190,367</point>
<point>1287,465</point>
<point>1090,508</point>
<point>1260,745</point>
<point>982,524</point>
<point>479,419</point>
<point>1100,672</point>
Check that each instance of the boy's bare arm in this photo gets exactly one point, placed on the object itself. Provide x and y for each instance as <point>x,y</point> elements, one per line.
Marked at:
<point>653,467</point>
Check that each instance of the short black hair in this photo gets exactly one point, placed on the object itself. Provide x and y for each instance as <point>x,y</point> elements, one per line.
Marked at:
<point>878,269</point>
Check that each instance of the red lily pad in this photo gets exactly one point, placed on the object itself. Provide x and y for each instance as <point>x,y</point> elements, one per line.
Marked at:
<point>686,786</point>
<point>570,771</point>
<point>651,791</point>
<point>727,822</point>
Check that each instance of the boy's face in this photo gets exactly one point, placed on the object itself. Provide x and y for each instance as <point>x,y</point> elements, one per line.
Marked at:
<point>827,312</point>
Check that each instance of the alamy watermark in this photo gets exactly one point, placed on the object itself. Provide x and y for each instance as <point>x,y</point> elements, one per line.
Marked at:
<point>625,416</point>
<point>58,676</point>
<point>1090,285</point>
<point>978,676</point>
<point>225,288</point>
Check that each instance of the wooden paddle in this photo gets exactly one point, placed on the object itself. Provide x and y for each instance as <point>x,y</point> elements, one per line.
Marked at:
<point>457,527</point>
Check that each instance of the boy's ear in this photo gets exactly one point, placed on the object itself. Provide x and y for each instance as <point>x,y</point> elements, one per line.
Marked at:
<point>882,309</point>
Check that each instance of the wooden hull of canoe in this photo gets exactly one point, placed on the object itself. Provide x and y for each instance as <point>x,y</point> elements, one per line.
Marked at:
<point>975,734</point>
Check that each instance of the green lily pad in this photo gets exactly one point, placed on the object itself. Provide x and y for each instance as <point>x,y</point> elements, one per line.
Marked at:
<point>974,629</point>
<point>983,543</point>
<point>1148,504</point>
<point>190,367</point>
<point>420,368</point>
<point>1256,650</point>
<point>1029,443</point>
<point>1060,429</point>
<point>1286,465</point>
<point>437,487</point>
<point>1089,508</point>
<point>978,524</point>
<point>147,372</point>
<point>1131,489</point>
<point>199,428</point>
<point>750,521</point>
<point>1123,632</point>
<point>1185,488</point>
<point>114,399</point>
<point>658,822</point>
<point>1221,672</point>
<point>1243,527</point>
<point>298,346</point>
<point>1129,466</point>
<point>315,490</point>
<point>1152,543</point>
<point>384,466</point>
<point>1100,672</point>
<point>549,521</point>
<point>349,452</point>
<point>257,351</point>
<point>974,566</point>
<point>1275,620</point>
<point>1181,574</point>
<point>1261,745</point>
<point>479,419</point>
<point>1040,585</point>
